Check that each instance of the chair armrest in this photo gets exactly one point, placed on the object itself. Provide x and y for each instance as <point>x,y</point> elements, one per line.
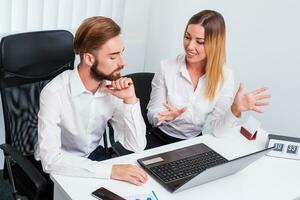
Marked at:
<point>119,149</point>
<point>116,145</point>
<point>151,130</point>
<point>31,171</point>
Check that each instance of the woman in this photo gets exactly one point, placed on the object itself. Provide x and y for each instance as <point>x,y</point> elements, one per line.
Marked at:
<point>193,86</point>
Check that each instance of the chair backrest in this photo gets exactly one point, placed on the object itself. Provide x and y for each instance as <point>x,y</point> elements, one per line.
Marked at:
<point>28,61</point>
<point>142,83</point>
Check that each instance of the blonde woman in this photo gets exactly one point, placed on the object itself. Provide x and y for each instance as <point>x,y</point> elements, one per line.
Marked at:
<point>192,86</point>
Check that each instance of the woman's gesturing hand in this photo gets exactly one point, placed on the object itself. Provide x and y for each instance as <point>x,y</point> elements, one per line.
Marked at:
<point>249,101</point>
<point>170,114</point>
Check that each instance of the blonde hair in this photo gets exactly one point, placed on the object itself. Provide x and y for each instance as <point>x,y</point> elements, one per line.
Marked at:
<point>214,45</point>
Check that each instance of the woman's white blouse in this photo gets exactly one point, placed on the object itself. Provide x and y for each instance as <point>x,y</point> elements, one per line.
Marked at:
<point>173,85</point>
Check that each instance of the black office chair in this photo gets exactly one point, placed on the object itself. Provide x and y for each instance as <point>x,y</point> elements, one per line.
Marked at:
<point>143,88</point>
<point>142,83</point>
<point>28,62</point>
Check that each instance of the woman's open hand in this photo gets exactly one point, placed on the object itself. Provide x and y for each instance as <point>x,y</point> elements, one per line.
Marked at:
<point>249,101</point>
<point>170,114</point>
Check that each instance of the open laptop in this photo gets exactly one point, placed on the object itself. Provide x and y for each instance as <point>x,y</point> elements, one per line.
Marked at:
<point>190,166</point>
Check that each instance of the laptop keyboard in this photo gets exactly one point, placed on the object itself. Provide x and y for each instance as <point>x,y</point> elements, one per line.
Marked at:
<point>188,166</point>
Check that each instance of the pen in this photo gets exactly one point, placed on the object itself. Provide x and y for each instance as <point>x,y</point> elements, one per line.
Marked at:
<point>154,195</point>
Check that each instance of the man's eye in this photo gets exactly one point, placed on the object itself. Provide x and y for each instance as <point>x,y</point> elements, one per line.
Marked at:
<point>113,57</point>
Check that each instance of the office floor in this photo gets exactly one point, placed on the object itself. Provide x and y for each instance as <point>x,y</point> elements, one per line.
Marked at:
<point>5,190</point>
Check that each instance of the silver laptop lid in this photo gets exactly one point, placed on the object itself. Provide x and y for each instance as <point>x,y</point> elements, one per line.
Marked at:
<point>223,170</point>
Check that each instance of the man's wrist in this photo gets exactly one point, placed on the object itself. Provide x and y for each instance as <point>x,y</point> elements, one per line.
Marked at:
<point>131,100</point>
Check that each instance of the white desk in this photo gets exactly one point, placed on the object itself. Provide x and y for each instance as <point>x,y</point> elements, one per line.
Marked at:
<point>267,178</point>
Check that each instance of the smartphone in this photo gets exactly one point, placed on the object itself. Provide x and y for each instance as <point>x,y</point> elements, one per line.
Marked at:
<point>104,194</point>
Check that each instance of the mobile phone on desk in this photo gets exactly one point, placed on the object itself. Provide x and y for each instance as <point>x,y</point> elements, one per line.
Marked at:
<point>105,194</point>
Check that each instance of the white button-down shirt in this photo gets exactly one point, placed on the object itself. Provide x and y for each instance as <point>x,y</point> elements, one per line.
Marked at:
<point>172,84</point>
<point>71,123</point>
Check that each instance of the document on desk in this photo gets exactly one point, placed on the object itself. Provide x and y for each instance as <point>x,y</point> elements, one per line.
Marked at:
<point>150,196</point>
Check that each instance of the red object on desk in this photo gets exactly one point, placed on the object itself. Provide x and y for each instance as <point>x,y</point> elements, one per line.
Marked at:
<point>247,134</point>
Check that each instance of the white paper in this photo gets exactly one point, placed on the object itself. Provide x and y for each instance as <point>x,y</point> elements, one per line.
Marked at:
<point>141,197</point>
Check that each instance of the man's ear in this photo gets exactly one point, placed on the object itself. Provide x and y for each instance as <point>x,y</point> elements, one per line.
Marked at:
<point>89,59</point>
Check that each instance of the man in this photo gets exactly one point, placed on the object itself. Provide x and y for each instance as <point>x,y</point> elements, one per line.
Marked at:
<point>76,105</point>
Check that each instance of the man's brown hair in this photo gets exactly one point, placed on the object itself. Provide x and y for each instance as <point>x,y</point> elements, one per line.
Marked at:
<point>93,33</point>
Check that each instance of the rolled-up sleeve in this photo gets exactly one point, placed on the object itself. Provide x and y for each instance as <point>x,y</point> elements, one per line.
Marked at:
<point>129,126</point>
<point>157,98</point>
<point>222,117</point>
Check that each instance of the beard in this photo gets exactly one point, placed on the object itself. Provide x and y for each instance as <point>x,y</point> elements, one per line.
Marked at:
<point>100,76</point>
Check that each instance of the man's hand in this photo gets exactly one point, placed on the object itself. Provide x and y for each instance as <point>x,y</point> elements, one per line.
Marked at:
<point>130,173</point>
<point>249,101</point>
<point>122,88</point>
<point>170,114</point>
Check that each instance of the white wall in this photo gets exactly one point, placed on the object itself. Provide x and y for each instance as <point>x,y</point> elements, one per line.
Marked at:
<point>263,47</point>
<point>135,34</point>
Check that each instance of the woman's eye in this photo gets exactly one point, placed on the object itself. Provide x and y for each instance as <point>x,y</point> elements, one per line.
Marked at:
<point>201,43</point>
<point>186,37</point>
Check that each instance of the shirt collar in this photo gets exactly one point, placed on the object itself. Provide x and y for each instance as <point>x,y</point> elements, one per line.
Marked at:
<point>99,92</point>
<point>77,87</point>
<point>183,69</point>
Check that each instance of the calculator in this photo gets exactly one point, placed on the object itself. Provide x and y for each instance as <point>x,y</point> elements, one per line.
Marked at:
<point>284,146</point>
